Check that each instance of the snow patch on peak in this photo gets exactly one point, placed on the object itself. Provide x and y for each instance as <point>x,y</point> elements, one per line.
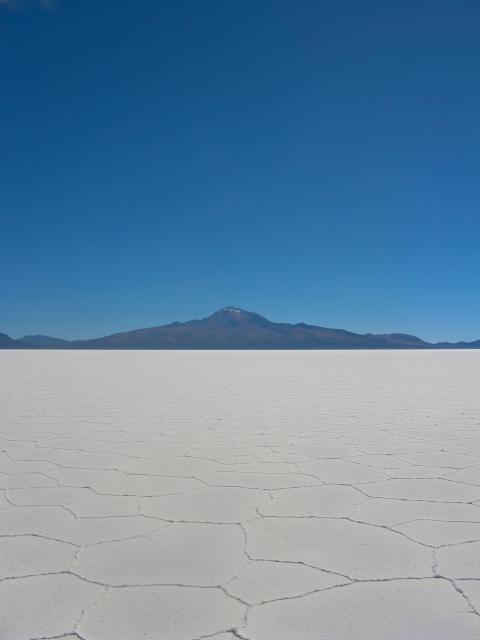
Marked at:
<point>232,309</point>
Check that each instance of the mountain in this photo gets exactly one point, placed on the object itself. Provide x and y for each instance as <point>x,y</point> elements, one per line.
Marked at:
<point>32,342</point>
<point>404,339</point>
<point>458,345</point>
<point>234,328</point>
<point>44,342</point>
<point>9,343</point>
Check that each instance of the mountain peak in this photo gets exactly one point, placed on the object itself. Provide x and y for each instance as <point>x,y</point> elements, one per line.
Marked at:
<point>234,316</point>
<point>230,309</point>
<point>233,312</point>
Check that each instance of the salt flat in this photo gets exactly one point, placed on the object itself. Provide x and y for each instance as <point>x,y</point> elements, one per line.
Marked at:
<point>257,495</point>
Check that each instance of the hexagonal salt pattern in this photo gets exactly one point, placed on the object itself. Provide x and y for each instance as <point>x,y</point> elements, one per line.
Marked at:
<point>341,546</point>
<point>417,610</point>
<point>27,555</point>
<point>263,581</point>
<point>254,495</point>
<point>176,613</point>
<point>47,606</point>
<point>182,553</point>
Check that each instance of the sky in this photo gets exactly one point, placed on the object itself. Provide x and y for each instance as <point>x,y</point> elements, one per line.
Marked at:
<point>313,161</point>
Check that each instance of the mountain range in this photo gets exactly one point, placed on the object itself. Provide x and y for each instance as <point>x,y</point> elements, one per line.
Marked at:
<point>234,328</point>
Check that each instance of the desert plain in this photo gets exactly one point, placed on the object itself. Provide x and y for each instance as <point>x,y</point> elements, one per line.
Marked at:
<point>260,495</point>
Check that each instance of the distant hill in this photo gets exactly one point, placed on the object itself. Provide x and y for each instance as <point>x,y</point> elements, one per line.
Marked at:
<point>401,338</point>
<point>233,328</point>
<point>44,342</point>
<point>9,343</point>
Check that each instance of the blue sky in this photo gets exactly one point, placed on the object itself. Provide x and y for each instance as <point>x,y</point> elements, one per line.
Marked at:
<point>311,161</point>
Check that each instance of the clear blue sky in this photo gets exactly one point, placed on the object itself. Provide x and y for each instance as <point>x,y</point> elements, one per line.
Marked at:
<point>312,161</point>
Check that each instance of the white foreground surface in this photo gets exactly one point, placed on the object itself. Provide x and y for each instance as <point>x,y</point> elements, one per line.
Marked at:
<point>258,495</point>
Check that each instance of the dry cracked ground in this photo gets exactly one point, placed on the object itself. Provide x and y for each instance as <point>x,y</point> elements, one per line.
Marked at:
<point>252,495</point>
